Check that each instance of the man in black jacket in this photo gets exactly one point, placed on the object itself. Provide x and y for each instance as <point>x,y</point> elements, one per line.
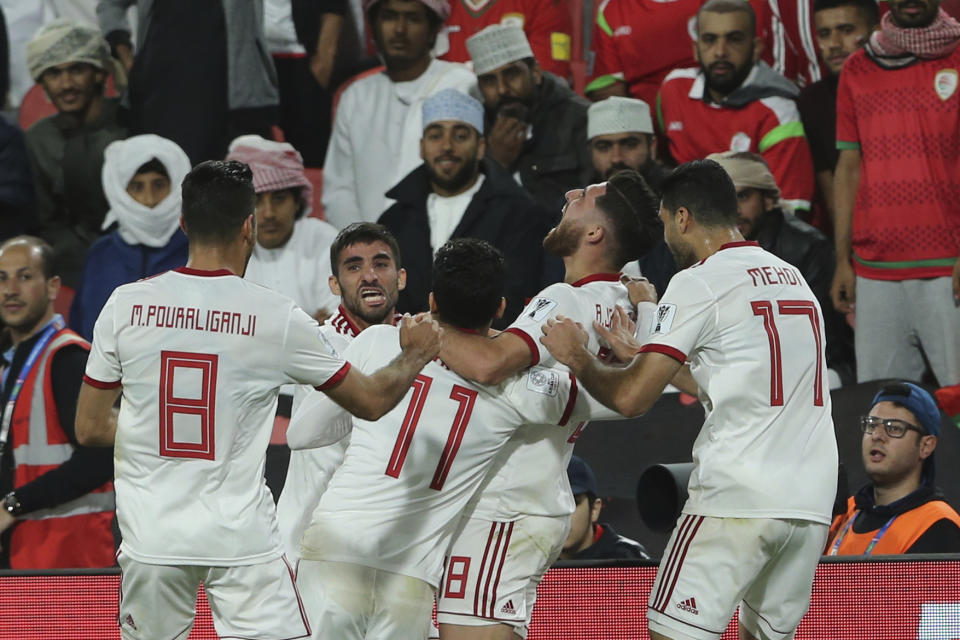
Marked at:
<point>536,126</point>
<point>766,219</point>
<point>456,193</point>
<point>589,539</point>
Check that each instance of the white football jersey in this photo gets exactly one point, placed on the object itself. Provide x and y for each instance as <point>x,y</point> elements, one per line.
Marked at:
<point>529,476</point>
<point>200,356</point>
<point>752,332</point>
<point>398,495</point>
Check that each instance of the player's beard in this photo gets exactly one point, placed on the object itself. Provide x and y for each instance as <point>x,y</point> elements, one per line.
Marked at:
<point>563,240</point>
<point>465,175</point>
<point>682,253</point>
<point>728,85</point>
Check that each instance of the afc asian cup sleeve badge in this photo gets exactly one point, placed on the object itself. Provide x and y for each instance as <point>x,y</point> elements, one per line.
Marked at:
<point>543,381</point>
<point>664,318</point>
<point>945,83</point>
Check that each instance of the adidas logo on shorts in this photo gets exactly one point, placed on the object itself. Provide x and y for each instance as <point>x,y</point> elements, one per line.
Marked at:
<point>689,605</point>
<point>129,622</point>
<point>508,608</point>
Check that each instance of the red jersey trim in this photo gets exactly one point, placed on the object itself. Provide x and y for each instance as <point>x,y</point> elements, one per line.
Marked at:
<point>571,402</point>
<point>597,277</point>
<point>100,384</point>
<point>351,325</point>
<point>188,271</point>
<point>676,354</point>
<point>335,378</point>
<point>523,335</point>
<point>732,245</point>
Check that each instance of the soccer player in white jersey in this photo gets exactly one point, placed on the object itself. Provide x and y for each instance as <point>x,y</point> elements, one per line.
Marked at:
<point>765,461</point>
<point>516,526</point>
<point>365,263</point>
<point>373,553</point>
<point>199,354</point>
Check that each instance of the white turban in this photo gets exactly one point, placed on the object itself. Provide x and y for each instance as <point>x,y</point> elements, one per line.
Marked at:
<point>497,45</point>
<point>140,224</point>
<point>618,115</point>
<point>63,41</point>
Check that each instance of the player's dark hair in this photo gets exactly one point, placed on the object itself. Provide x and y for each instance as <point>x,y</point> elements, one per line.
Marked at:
<point>153,165</point>
<point>47,254</point>
<point>363,233</point>
<point>867,8</point>
<point>469,278</point>
<point>729,6</point>
<point>705,190</point>
<point>218,196</point>
<point>634,213</point>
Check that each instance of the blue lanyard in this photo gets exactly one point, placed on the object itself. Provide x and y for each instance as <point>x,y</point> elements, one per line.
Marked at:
<point>51,329</point>
<point>873,543</point>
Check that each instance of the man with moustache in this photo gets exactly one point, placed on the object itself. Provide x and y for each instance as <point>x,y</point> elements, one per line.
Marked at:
<point>732,102</point>
<point>525,503</point>
<point>377,124</point>
<point>897,224</point>
<point>900,510</point>
<point>368,277</point>
<point>842,26</point>
<point>59,502</point>
<point>765,478</point>
<point>536,126</point>
<point>457,193</point>
<point>71,61</point>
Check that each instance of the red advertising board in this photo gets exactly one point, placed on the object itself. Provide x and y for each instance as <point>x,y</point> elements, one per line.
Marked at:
<point>851,601</point>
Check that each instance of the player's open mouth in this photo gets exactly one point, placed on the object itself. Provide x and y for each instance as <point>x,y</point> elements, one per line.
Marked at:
<point>373,296</point>
<point>876,455</point>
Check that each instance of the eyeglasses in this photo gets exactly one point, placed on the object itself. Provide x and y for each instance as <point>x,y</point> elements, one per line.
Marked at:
<point>893,428</point>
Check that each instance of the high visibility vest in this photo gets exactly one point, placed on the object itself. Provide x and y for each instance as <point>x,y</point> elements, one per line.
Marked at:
<point>903,532</point>
<point>76,533</point>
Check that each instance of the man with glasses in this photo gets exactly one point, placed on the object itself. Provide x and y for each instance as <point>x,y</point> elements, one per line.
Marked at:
<point>900,511</point>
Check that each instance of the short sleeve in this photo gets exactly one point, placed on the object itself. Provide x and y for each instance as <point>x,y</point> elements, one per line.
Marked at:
<point>847,136</point>
<point>552,396</point>
<point>103,366</point>
<point>684,318</point>
<point>306,354</point>
<point>552,301</point>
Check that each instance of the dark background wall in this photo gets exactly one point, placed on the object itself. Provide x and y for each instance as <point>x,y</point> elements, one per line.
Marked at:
<point>620,451</point>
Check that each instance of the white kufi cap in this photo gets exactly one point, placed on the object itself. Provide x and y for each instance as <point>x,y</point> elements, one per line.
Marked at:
<point>451,104</point>
<point>618,115</point>
<point>496,46</point>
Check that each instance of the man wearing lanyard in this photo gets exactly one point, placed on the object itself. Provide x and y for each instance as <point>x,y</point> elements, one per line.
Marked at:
<point>58,502</point>
<point>900,511</point>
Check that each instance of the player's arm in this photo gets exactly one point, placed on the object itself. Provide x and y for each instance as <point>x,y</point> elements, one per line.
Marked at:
<point>318,422</point>
<point>96,422</point>
<point>630,391</point>
<point>371,396</point>
<point>485,360</point>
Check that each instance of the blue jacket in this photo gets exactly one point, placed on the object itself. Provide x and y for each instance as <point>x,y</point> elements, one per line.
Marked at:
<point>112,262</point>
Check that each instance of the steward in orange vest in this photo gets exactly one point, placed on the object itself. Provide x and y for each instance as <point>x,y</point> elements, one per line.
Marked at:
<point>900,511</point>
<point>58,501</point>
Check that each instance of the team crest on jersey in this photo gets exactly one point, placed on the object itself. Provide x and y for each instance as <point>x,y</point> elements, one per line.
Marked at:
<point>664,319</point>
<point>740,142</point>
<point>945,83</point>
<point>541,307</point>
<point>543,381</point>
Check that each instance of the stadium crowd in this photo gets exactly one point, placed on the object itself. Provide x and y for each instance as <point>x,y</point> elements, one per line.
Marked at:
<point>375,133</point>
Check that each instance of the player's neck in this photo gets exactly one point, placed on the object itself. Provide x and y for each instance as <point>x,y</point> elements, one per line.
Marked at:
<point>710,241</point>
<point>888,494</point>
<point>215,258</point>
<point>578,268</point>
<point>362,324</point>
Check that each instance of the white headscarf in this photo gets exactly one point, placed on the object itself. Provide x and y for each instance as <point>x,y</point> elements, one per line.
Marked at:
<point>139,224</point>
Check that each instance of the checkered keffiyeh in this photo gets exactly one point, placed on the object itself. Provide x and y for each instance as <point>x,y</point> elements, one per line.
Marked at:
<point>929,43</point>
<point>275,166</point>
<point>64,41</point>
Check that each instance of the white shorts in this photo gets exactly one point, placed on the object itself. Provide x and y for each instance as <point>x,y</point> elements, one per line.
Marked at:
<point>493,569</point>
<point>251,601</point>
<point>348,601</point>
<point>713,565</point>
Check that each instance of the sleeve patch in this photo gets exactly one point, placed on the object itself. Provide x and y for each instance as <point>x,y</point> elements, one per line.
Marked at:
<point>545,381</point>
<point>663,321</point>
<point>541,308</point>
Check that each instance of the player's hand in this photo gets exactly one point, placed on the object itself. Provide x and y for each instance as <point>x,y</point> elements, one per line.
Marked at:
<point>565,339</point>
<point>639,289</point>
<point>956,283</point>
<point>843,289</point>
<point>506,139</point>
<point>620,336</point>
<point>420,336</point>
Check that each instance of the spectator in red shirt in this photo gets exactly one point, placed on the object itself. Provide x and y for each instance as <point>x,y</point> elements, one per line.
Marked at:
<point>897,224</point>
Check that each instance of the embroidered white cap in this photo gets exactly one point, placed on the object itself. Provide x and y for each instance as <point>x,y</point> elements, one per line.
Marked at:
<point>618,115</point>
<point>496,46</point>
